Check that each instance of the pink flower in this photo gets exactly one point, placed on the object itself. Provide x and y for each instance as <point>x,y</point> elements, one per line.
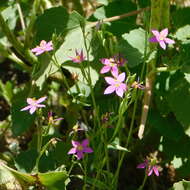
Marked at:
<point>161,38</point>
<point>79,57</point>
<point>34,104</point>
<point>51,120</point>
<point>116,84</point>
<point>150,167</point>
<point>110,65</point>
<point>80,148</point>
<point>44,46</point>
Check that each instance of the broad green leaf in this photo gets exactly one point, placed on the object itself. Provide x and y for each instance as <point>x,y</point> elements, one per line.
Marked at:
<point>132,45</point>
<point>26,160</point>
<point>116,145</point>
<point>181,185</point>
<point>56,20</point>
<point>179,99</point>
<point>104,2</point>
<point>73,40</point>
<point>166,126</point>
<point>53,180</point>
<point>21,120</point>
<point>21,177</point>
<point>183,34</point>
<point>5,175</point>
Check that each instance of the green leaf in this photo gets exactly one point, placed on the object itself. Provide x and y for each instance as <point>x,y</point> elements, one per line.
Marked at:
<point>6,91</point>
<point>21,120</point>
<point>56,20</point>
<point>179,99</point>
<point>25,161</point>
<point>53,180</point>
<point>183,34</point>
<point>5,175</point>
<point>182,185</point>
<point>117,8</point>
<point>116,145</point>
<point>166,126</point>
<point>21,177</point>
<point>104,2</point>
<point>132,45</point>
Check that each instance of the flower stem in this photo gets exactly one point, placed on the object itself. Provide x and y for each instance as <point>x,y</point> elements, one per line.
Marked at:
<point>143,183</point>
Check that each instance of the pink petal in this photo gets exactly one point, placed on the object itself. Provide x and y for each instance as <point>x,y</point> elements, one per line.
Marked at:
<point>85,142</point>
<point>109,90</point>
<point>153,39</point>
<point>40,105</point>
<point>36,49</point>
<point>155,32</point>
<point>26,108</point>
<point>123,86</point>
<point>32,109</point>
<point>169,41</point>
<point>41,99</point>
<point>105,61</point>
<point>162,44</point>
<point>49,48</point>
<point>156,170</point>
<point>30,100</point>
<point>39,52</point>
<point>49,43</point>
<point>121,77</point>
<point>114,71</point>
<point>164,32</point>
<point>72,151</point>
<point>80,155</point>
<point>150,171</point>
<point>75,143</point>
<point>142,165</point>
<point>110,80</point>
<point>105,69</point>
<point>87,150</point>
<point>119,92</point>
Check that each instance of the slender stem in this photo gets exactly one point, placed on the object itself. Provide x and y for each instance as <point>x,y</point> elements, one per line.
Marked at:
<point>18,46</point>
<point>18,61</point>
<point>143,183</point>
<point>21,16</point>
<point>36,167</point>
<point>36,6</point>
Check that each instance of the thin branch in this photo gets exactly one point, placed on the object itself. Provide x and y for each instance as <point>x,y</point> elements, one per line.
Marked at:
<point>114,18</point>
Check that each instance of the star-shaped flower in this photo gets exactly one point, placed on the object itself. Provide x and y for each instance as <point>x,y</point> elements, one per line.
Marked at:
<point>43,47</point>
<point>150,167</point>
<point>79,57</point>
<point>80,148</point>
<point>116,84</point>
<point>161,38</point>
<point>34,104</point>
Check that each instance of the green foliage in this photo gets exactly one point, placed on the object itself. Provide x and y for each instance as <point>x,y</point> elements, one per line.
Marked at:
<point>182,185</point>
<point>179,87</point>
<point>133,46</point>
<point>117,8</point>
<point>20,125</point>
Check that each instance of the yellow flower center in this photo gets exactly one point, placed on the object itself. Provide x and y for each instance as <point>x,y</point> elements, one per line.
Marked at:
<point>80,147</point>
